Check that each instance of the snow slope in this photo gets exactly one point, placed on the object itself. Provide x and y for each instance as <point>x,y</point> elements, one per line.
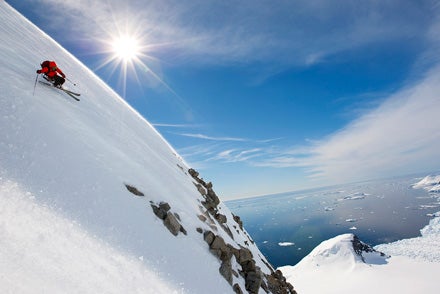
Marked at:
<point>67,222</point>
<point>332,267</point>
<point>338,269</point>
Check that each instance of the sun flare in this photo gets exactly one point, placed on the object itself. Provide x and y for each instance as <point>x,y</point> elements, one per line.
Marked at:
<point>126,48</point>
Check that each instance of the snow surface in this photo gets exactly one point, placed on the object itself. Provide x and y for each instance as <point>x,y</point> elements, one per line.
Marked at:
<point>69,225</point>
<point>429,183</point>
<point>334,267</point>
<point>67,222</point>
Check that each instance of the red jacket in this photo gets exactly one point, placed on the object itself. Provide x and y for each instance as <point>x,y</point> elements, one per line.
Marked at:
<point>51,69</point>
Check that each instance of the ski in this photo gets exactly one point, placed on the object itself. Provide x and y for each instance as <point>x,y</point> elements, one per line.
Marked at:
<point>68,92</point>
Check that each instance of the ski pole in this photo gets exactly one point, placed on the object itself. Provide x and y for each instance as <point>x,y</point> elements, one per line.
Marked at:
<point>71,81</point>
<point>35,85</point>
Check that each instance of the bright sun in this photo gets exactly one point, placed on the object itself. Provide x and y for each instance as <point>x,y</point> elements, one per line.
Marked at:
<point>126,48</point>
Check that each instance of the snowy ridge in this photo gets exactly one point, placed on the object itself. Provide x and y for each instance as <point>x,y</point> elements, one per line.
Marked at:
<point>71,178</point>
<point>429,183</point>
<point>341,252</point>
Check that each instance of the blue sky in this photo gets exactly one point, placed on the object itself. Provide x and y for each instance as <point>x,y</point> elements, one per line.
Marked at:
<point>270,96</point>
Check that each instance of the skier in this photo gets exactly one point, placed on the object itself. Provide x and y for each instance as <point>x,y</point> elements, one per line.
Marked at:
<point>51,71</point>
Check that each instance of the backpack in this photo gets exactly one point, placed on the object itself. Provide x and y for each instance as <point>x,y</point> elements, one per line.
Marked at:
<point>51,65</point>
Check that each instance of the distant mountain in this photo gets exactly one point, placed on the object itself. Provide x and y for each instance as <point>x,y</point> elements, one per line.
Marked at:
<point>94,200</point>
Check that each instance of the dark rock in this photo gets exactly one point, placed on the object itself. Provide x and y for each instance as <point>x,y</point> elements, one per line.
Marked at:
<point>209,236</point>
<point>226,254</point>
<point>248,266</point>
<point>237,289</point>
<point>201,190</point>
<point>159,212</point>
<point>199,230</point>
<point>218,243</point>
<point>245,255</point>
<point>360,247</point>
<point>276,283</point>
<point>210,206</point>
<point>172,224</point>
<point>253,281</point>
<point>193,173</point>
<point>182,230</point>
<point>226,271</point>
<point>221,218</point>
<point>164,206</point>
<point>134,190</point>
<point>238,221</point>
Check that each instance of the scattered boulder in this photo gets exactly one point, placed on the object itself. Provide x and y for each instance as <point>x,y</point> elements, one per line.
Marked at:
<point>193,173</point>
<point>170,220</point>
<point>202,217</point>
<point>238,221</point>
<point>134,190</point>
<point>160,210</point>
<point>221,218</point>
<point>172,224</point>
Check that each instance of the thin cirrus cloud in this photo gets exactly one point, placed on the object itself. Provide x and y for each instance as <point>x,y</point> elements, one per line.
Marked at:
<point>205,137</point>
<point>237,155</point>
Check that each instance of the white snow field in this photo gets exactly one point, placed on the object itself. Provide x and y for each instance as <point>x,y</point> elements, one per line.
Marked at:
<point>69,225</point>
<point>334,267</point>
<point>67,222</point>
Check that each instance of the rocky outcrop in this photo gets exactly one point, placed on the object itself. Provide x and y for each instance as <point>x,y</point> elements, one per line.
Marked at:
<point>134,190</point>
<point>170,220</point>
<point>227,254</point>
<point>236,261</point>
<point>361,247</point>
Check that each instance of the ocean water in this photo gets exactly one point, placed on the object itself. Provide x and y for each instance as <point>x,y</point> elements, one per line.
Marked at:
<point>288,226</point>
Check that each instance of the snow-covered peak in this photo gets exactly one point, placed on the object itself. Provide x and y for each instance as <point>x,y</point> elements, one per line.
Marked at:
<point>343,252</point>
<point>429,183</point>
<point>94,200</point>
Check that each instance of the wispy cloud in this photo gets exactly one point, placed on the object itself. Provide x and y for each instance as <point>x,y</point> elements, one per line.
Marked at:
<point>234,155</point>
<point>400,136</point>
<point>205,137</point>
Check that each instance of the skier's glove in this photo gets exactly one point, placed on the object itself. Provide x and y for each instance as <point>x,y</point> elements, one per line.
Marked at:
<point>63,75</point>
<point>39,71</point>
